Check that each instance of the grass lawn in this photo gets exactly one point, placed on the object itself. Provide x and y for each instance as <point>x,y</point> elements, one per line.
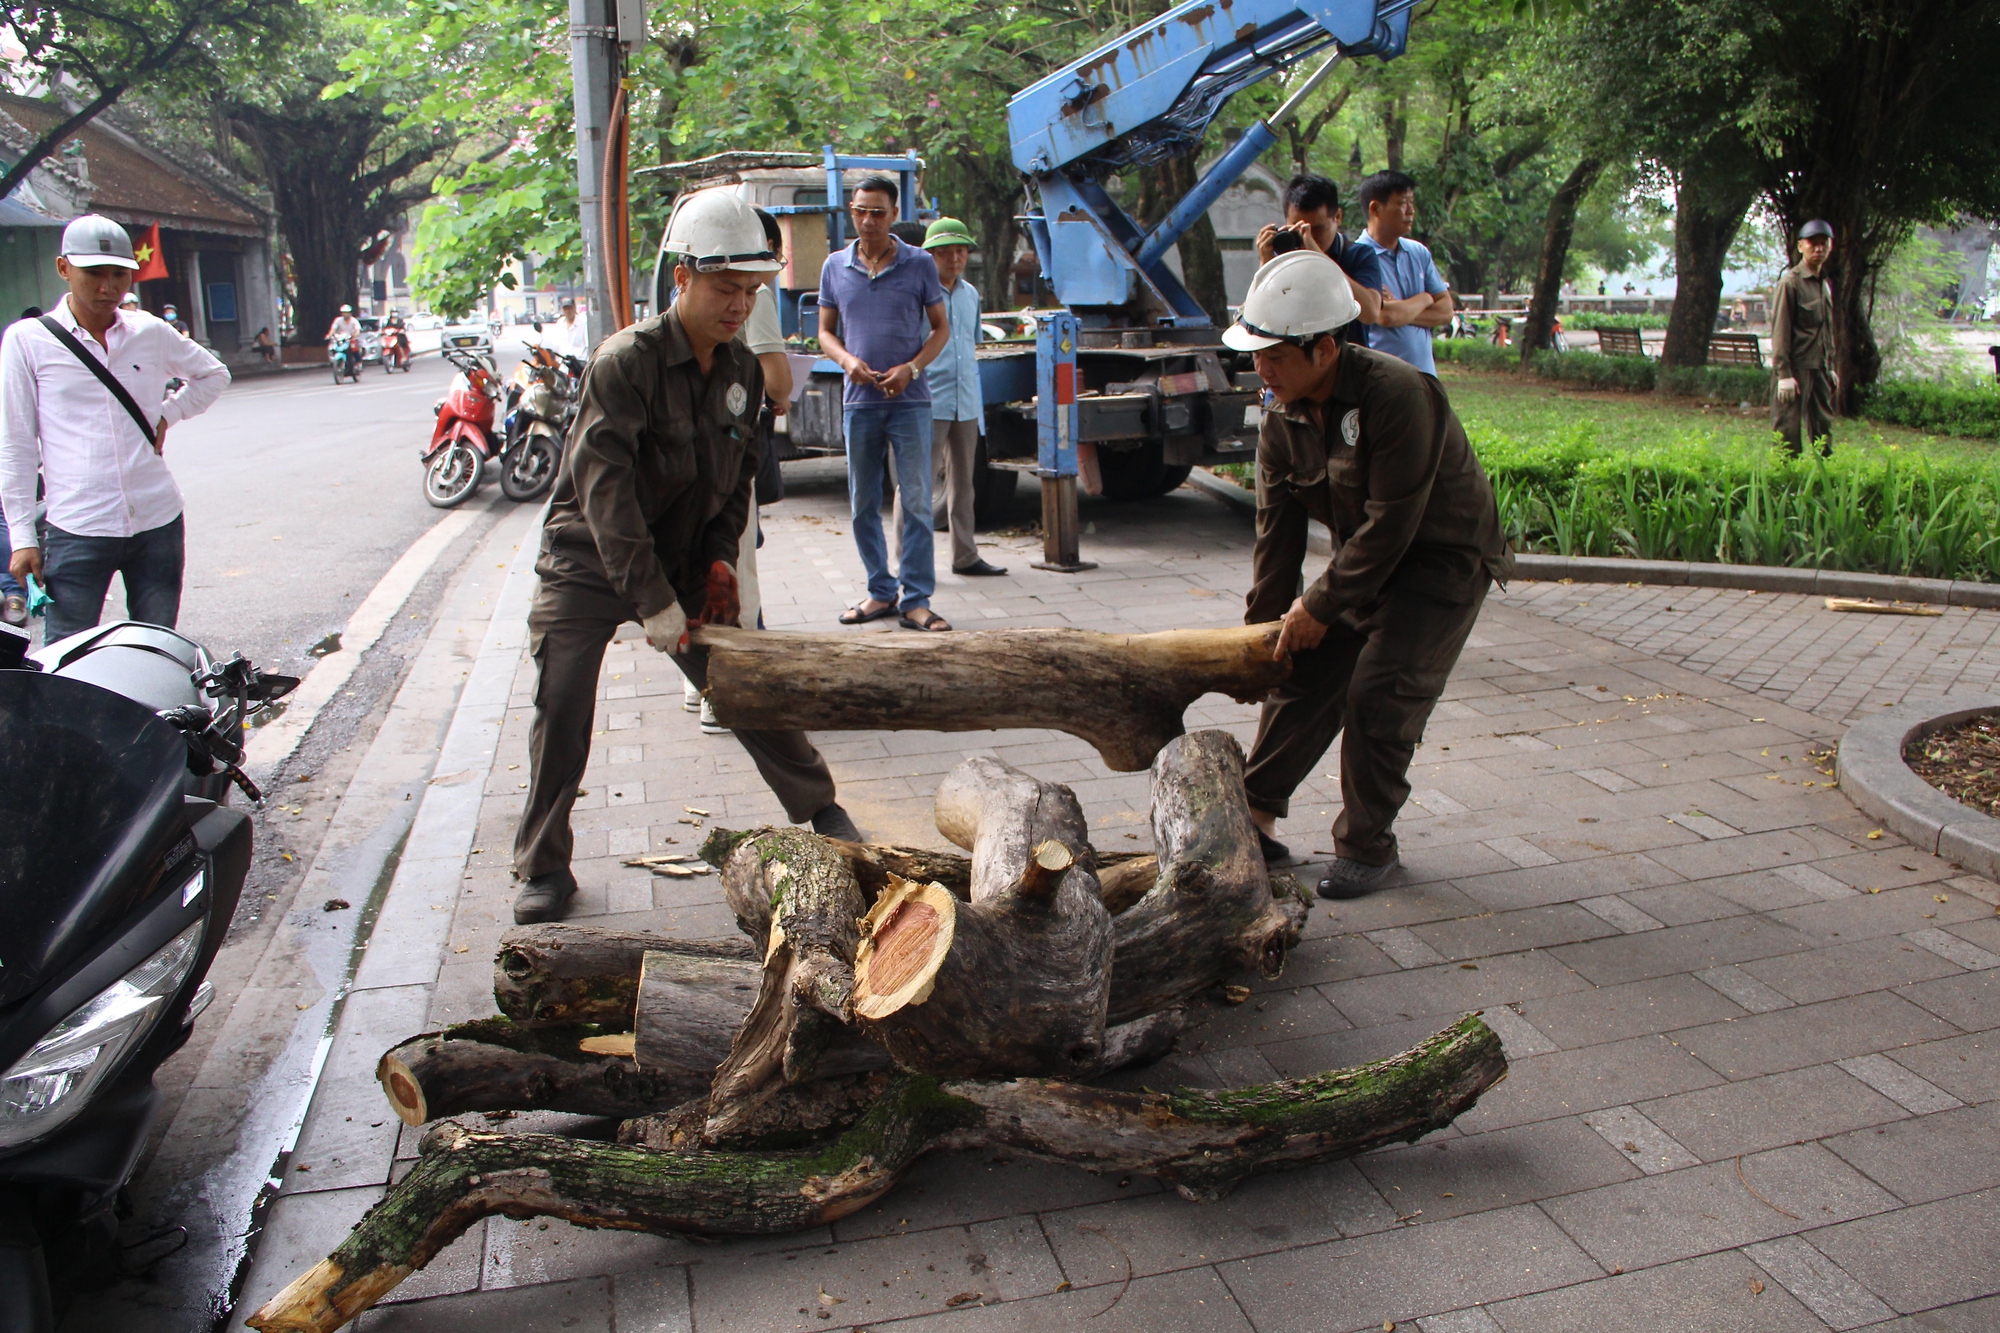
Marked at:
<point>1534,409</point>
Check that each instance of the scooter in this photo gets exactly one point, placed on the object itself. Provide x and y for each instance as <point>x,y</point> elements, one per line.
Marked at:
<point>462,439</point>
<point>118,749</point>
<point>395,350</point>
<point>541,403</point>
<point>345,354</point>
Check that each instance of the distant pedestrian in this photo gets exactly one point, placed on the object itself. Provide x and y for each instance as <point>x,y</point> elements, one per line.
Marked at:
<point>1804,355</point>
<point>1415,299</point>
<point>266,348</point>
<point>572,335</point>
<point>882,319</point>
<point>958,408</point>
<point>83,401</point>
<point>1314,215</point>
<point>173,319</point>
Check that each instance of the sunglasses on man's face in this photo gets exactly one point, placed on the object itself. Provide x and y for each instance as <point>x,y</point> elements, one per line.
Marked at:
<point>861,212</point>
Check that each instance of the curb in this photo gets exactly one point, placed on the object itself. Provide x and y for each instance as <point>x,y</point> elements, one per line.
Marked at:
<point>1692,573</point>
<point>1874,776</point>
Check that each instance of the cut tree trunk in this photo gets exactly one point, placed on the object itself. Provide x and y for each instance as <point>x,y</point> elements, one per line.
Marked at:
<point>684,1004</point>
<point>1210,912</point>
<point>1126,883</point>
<point>1123,693</point>
<point>1202,1141</point>
<point>495,1065</point>
<point>798,1028</point>
<point>1013,982</point>
<point>553,973</point>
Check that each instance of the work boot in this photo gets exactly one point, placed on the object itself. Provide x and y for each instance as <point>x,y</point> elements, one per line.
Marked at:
<point>1274,851</point>
<point>545,898</point>
<point>1347,878</point>
<point>833,822</point>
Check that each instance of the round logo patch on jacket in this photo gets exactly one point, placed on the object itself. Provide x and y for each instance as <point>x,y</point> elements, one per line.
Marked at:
<point>737,399</point>
<point>1350,427</point>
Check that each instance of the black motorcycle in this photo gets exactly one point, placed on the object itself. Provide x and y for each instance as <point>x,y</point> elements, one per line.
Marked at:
<point>120,869</point>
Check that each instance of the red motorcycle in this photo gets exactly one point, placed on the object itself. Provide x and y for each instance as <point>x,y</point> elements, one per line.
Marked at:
<point>395,349</point>
<point>463,438</point>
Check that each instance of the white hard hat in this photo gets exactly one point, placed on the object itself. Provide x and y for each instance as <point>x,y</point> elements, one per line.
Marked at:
<point>714,230</point>
<point>1295,297</point>
<point>93,241</point>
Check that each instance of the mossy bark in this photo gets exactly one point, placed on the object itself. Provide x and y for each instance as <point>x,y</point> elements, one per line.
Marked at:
<point>1201,1140</point>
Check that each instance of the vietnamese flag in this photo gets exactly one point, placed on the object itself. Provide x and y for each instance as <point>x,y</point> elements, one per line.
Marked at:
<point>152,264</point>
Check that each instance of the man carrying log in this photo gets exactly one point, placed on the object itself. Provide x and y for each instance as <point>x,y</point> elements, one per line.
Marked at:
<point>1369,446</point>
<point>644,524</point>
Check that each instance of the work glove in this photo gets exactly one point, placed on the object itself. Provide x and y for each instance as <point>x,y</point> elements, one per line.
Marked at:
<point>667,630</point>
<point>724,600</point>
<point>1788,389</point>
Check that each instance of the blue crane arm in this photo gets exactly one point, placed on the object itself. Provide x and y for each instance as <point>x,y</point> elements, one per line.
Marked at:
<point>1151,93</point>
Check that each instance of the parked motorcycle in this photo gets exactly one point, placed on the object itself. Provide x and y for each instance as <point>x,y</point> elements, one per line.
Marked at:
<point>396,350</point>
<point>118,747</point>
<point>541,403</point>
<point>345,354</point>
<point>462,439</point>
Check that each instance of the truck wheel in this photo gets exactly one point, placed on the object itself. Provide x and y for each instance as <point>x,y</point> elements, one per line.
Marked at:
<point>1172,475</point>
<point>1132,474</point>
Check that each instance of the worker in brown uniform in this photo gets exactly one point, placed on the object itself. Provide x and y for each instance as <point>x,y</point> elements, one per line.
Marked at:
<point>643,526</point>
<point>1368,445</point>
<point>1803,354</point>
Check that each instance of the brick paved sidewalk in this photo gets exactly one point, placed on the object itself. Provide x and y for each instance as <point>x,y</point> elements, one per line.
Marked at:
<point>1755,1082</point>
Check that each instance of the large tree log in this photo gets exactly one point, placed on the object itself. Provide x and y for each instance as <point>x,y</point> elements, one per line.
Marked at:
<point>554,973</point>
<point>1202,1141</point>
<point>1014,981</point>
<point>1123,693</point>
<point>798,1028</point>
<point>496,1065</point>
<point>685,1003</point>
<point>1210,911</point>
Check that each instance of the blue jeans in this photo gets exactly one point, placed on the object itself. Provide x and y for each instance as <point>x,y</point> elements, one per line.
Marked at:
<point>77,572</point>
<point>873,431</point>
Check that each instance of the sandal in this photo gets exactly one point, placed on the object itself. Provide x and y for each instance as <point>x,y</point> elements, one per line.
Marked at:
<point>854,615</point>
<point>936,624</point>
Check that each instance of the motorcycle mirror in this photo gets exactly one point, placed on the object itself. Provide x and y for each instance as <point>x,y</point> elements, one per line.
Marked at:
<point>538,326</point>
<point>267,686</point>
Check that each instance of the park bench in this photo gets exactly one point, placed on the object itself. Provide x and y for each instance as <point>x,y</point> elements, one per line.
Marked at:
<point>1621,342</point>
<point>1735,349</point>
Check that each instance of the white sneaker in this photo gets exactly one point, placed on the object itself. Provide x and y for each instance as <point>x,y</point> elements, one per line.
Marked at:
<point>709,725</point>
<point>690,697</point>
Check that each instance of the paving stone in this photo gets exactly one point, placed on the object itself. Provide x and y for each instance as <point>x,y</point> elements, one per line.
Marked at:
<point>1929,1157</point>
<point>1566,882</point>
<point>1970,1000</point>
<point>539,1250</point>
<point>1811,1034</point>
<point>1196,1300</point>
<point>1620,914</point>
<point>1612,1013</point>
<point>1412,1271</point>
<point>1967,1067</point>
<point>1769,1112</point>
<point>1274,1014</point>
<point>1682,904</point>
<point>1518,1037</point>
<point>570,1307</point>
<point>1821,1285</point>
<point>1473,1319</point>
<point>1712,1293</point>
<point>1817,882</point>
<point>1920,1258</point>
<point>1521,852</point>
<point>1917,1095</point>
<point>1742,988</point>
<point>1473,1173</point>
<point>1641,1142</point>
<point>1659,953</point>
<point>1546,1087</point>
<point>1451,988</point>
<point>1483,934</point>
<point>1672,1216</point>
<point>652,1302</point>
<point>1404,947</point>
<point>1333,958</point>
<point>1849,969</point>
<point>1948,946</point>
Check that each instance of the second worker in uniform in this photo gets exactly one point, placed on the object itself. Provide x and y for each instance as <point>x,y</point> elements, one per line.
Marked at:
<point>1369,446</point>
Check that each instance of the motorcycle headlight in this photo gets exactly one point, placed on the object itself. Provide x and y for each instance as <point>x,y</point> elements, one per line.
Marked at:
<point>48,1086</point>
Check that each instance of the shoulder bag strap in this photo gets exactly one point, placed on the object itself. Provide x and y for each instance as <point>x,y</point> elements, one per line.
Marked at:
<point>104,377</point>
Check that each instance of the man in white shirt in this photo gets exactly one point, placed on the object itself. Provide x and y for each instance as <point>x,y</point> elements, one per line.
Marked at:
<point>572,334</point>
<point>113,507</point>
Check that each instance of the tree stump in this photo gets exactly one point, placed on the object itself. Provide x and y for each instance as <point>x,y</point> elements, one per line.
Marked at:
<point>1123,693</point>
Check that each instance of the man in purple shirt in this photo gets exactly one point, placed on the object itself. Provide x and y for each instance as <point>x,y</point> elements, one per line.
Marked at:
<point>882,319</point>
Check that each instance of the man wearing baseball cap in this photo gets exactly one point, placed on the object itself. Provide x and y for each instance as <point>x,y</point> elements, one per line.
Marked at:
<point>644,525</point>
<point>83,401</point>
<point>1368,445</point>
<point>1804,357</point>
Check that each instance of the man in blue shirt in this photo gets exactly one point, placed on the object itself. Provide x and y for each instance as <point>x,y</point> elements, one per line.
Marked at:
<point>958,408</point>
<point>1415,298</point>
<point>1313,215</point>
<point>882,319</point>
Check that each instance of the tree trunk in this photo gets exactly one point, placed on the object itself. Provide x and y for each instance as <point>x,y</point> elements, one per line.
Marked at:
<point>684,1003</point>
<point>1202,1141</point>
<point>1123,693</point>
<point>493,1065</point>
<point>1211,911</point>
<point>798,1028</point>
<point>1557,230</point>
<point>1014,982</point>
<point>1125,884</point>
<point>555,973</point>
<point>1706,218</point>
<point>1201,256</point>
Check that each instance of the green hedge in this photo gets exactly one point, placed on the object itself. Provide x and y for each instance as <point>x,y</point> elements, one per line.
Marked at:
<point>1955,407</point>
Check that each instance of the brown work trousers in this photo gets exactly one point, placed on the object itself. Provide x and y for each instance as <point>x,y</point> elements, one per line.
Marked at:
<point>1373,684</point>
<point>1809,416</point>
<point>574,616</point>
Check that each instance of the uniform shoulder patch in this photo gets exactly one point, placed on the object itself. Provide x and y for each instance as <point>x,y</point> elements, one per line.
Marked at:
<point>738,398</point>
<point>1350,427</point>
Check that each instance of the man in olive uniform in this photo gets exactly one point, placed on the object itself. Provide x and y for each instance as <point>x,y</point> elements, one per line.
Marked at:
<point>644,524</point>
<point>1803,358</point>
<point>1368,445</point>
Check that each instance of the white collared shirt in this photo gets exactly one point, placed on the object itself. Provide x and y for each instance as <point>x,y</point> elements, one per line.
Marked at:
<point>101,477</point>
